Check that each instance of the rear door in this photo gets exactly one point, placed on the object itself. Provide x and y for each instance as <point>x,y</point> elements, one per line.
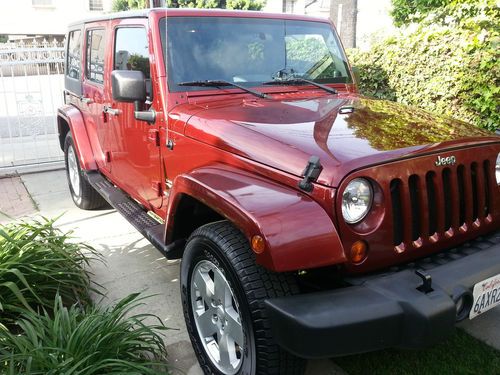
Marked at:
<point>135,144</point>
<point>93,91</point>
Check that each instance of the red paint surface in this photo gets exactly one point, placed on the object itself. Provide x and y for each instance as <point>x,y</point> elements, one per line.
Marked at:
<point>244,157</point>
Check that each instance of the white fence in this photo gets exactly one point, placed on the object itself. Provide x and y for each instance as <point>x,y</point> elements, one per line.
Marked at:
<point>31,90</point>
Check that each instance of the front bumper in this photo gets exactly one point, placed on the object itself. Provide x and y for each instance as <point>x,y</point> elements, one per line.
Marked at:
<point>384,310</point>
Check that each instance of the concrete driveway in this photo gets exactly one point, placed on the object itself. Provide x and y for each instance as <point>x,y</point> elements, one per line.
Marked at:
<point>134,265</point>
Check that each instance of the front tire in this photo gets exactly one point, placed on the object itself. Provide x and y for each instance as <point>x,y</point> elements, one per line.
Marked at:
<point>83,194</point>
<point>223,292</point>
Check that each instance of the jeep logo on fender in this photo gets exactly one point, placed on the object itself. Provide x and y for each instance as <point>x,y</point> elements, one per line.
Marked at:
<point>450,160</point>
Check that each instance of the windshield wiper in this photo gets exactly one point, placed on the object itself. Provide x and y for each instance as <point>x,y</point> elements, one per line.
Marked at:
<point>300,81</point>
<point>221,83</point>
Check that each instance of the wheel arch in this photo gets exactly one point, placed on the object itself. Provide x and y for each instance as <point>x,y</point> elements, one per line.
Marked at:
<point>298,233</point>
<point>70,119</point>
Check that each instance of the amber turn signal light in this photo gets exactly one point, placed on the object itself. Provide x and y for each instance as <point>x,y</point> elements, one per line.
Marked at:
<point>258,244</point>
<point>359,250</point>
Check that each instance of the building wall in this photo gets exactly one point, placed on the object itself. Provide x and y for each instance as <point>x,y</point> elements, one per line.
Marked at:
<point>22,17</point>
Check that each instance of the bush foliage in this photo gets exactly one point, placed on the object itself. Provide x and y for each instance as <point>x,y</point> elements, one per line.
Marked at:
<point>86,341</point>
<point>405,11</point>
<point>123,5</point>
<point>448,63</point>
<point>223,4</point>
<point>48,323</point>
<point>37,261</point>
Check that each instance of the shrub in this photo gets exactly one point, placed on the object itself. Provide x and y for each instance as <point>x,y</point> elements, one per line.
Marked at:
<point>447,64</point>
<point>223,4</point>
<point>86,341</point>
<point>123,5</point>
<point>406,11</point>
<point>37,261</point>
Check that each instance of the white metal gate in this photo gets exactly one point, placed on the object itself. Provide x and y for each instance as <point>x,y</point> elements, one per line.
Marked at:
<point>31,90</point>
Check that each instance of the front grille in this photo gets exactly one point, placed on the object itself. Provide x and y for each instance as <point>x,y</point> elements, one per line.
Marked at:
<point>446,202</point>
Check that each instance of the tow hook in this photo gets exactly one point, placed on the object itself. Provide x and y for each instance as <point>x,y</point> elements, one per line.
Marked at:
<point>426,286</point>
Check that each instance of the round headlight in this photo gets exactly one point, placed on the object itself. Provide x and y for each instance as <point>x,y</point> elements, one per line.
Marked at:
<point>356,200</point>
<point>497,169</point>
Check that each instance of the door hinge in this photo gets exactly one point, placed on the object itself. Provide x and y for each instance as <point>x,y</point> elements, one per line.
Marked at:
<point>108,156</point>
<point>154,136</point>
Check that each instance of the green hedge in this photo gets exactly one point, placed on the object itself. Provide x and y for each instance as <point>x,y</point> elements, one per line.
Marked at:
<point>449,64</point>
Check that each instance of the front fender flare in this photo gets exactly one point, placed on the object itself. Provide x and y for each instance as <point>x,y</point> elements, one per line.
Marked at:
<point>297,231</point>
<point>76,124</point>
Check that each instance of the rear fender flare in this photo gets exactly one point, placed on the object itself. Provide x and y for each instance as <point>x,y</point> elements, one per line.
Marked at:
<point>297,231</point>
<point>74,118</point>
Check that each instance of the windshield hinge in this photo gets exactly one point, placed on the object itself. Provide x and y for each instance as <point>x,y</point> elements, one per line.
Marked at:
<point>311,174</point>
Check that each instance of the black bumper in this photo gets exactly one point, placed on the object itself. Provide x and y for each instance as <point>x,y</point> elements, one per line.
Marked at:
<point>386,310</point>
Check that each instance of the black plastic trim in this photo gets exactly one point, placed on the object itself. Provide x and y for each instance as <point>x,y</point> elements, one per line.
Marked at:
<point>381,311</point>
<point>135,215</point>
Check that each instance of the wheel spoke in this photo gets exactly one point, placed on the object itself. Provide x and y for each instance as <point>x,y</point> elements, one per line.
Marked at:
<point>222,291</point>
<point>204,285</point>
<point>206,326</point>
<point>225,357</point>
<point>234,328</point>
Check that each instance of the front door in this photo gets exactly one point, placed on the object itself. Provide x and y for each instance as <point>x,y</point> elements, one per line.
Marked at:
<point>135,151</point>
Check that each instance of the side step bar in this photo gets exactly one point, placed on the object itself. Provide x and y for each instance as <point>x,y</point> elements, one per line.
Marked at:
<point>135,215</point>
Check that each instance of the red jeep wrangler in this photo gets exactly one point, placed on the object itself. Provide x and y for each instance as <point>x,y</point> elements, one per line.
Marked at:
<point>311,221</point>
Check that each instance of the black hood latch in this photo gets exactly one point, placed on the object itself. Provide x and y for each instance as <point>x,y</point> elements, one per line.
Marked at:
<point>311,174</point>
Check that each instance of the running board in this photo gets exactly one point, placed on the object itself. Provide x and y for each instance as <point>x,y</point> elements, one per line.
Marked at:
<point>135,214</point>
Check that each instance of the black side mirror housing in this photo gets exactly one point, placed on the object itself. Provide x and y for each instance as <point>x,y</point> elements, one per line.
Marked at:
<point>128,86</point>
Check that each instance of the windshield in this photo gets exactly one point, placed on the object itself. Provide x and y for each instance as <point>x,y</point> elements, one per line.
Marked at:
<point>251,51</point>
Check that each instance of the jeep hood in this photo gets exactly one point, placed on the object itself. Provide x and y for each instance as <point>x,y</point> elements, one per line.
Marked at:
<point>346,133</point>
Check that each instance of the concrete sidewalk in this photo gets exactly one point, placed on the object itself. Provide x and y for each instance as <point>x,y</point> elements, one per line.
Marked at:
<point>134,265</point>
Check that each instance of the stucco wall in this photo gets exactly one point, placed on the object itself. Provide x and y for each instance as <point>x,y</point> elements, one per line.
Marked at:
<point>21,17</point>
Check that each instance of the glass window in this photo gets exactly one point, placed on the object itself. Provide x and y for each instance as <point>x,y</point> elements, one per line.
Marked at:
<point>252,51</point>
<point>74,58</point>
<point>95,55</point>
<point>41,3</point>
<point>131,50</point>
<point>95,5</point>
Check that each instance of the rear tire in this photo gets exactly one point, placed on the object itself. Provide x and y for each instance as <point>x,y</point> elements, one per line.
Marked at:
<point>218,258</point>
<point>82,193</point>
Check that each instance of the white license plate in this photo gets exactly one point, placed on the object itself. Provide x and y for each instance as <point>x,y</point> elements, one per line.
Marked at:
<point>486,296</point>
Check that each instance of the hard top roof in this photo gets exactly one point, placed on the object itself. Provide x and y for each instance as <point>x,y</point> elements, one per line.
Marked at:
<point>190,12</point>
<point>194,12</point>
<point>143,13</point>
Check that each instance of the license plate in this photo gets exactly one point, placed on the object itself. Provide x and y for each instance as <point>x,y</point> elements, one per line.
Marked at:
<point>486,296</point>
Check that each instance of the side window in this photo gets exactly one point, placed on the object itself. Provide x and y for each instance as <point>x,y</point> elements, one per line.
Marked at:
<point>131,50</point>
<point>74,57</point>
<point>95,55</point>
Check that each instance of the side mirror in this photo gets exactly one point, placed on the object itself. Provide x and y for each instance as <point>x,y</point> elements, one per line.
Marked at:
<point>357,78</point>
<point>128,86</point>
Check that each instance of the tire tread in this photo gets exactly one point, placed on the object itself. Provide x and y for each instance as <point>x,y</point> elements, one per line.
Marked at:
<point>258,284</point>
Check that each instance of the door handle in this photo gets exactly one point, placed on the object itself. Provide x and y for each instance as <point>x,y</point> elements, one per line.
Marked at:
<point>86,100</point>
<point>111,111</point>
